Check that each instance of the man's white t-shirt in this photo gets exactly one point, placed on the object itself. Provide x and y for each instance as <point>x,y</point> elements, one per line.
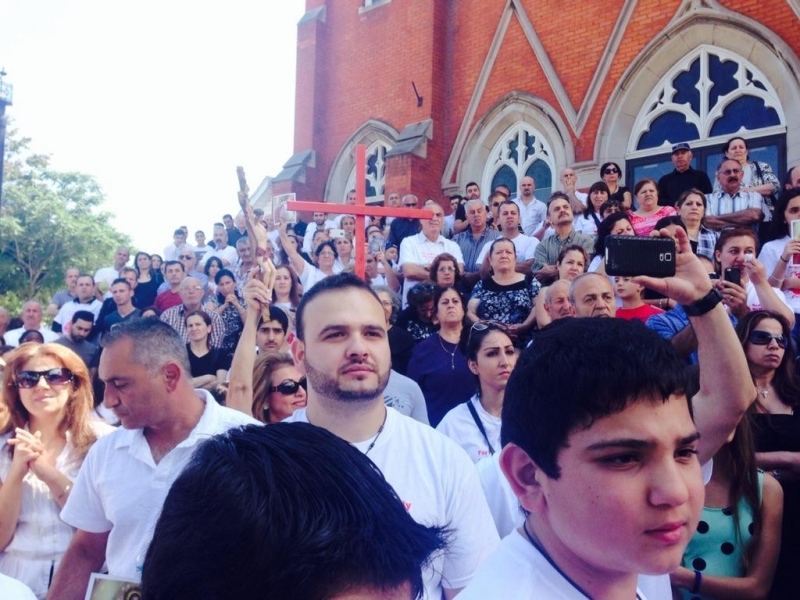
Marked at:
<point>418,250</point>
<point>508,516</point>
<point>227,253</point>
<point>120,489</point>
<point>459,425</point>
<point>518,571</point>
<point>12,336</point>
<point>309,236</point>
<point>438,485</point>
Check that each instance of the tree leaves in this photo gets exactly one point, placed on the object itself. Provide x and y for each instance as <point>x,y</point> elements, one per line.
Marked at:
<point>49,221</point>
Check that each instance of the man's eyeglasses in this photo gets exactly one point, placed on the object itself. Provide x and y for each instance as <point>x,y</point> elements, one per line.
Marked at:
<point>731,171</point>
<point>410,205</point>
<point>610,171</point>
<point>186,256</point>
<point>495,204</point>
<point>193,288</point>
<point>760,337</point>
<point>57,376</point>
<point>289,387</point>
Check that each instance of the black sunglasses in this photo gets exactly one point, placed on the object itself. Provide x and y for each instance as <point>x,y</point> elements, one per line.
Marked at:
<point>57,376</point>
<point>610,170</point>
<point>289,387</point>
<point>186,256</point>
<point>762,338</point>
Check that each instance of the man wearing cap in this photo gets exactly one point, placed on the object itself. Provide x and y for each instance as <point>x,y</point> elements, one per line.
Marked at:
<point>682,178</point>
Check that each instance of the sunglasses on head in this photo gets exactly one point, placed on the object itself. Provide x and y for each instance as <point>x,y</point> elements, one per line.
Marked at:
<point>57,376</point>
<point>483,326</point>
<point>289,387</point>
<point>762,338</point>
<point>610,170</point>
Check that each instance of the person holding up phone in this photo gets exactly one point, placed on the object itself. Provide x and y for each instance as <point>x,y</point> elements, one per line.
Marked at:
<point>781,257</point>
<point>736,251</point>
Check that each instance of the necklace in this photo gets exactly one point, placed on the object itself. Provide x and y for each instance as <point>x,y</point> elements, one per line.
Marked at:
<point>544,553</point>
<point>380,431</point>
<point>452,354</point>
<point>763,392</point>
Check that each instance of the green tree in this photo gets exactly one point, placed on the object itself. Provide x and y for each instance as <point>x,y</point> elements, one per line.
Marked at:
<point>49,221</point>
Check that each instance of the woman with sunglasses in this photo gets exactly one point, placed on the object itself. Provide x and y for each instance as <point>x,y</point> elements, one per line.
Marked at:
<point>49,430</point>
<point>209,365</point>
<point>279,388</point>
<point>611,174</point>
<point>437,363</point>
<point>776,427</point>
<point>475,424</point>
<point>268,386</point>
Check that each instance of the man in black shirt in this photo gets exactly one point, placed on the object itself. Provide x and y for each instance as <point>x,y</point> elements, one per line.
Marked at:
<point>682,178</point>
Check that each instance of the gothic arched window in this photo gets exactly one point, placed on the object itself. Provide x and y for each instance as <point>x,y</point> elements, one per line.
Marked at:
<point>709,96</point>
<point>520,151</point>
<point>375,173</point>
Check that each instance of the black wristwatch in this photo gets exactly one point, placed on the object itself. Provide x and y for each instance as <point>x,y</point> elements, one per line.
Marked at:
<point>705,304</point>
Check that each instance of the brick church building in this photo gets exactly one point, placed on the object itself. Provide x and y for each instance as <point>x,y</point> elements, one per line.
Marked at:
<point>443,92</point>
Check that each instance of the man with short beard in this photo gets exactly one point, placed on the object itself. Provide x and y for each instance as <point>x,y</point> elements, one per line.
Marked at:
<point>75,340</point>
<point>342,346</point>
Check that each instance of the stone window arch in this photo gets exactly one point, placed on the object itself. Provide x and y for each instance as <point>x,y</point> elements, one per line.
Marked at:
<point>375,172</point>
<point>707,97</point>
<point>522,150</point>
<point>379,138</point>
<point>711,92</point>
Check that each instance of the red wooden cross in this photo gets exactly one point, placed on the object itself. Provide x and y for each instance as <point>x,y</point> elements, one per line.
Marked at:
<point>360,209</point>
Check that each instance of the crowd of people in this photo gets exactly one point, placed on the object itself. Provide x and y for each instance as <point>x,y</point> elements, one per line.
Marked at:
<point>458,393</point>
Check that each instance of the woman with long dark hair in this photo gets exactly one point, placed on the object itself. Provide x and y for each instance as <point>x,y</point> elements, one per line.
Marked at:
<point>232,309</point>
<point>734,551</point>
<point>475,424</point>
<point>765,337</point>
<point>149,279</point>
<point>588,222</point>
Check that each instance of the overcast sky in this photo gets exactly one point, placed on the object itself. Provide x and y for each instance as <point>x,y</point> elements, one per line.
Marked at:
<point>159,101</point>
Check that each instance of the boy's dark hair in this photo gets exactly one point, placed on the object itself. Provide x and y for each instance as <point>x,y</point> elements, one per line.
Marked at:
<point>283,511</point>
<point>276,313</point>
<point>581,370</point>
<point>334,283</point>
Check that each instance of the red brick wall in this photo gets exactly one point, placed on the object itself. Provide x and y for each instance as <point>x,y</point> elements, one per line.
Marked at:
<point>355,67</point>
